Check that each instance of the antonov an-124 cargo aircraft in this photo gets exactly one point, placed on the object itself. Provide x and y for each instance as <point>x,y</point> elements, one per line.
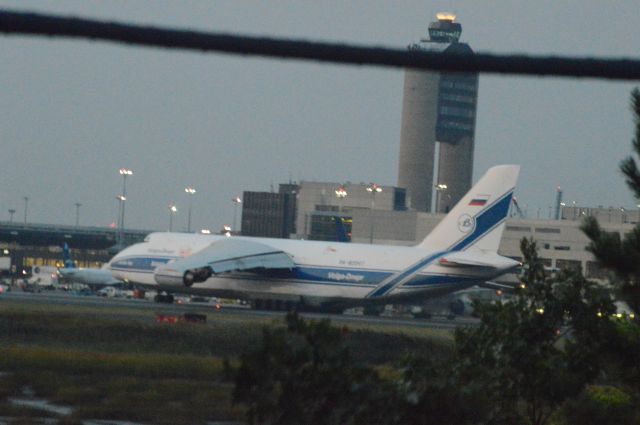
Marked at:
<point>460,252</point>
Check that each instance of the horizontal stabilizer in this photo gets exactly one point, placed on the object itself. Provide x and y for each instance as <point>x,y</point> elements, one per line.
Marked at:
<point>499,286</point>
<point>466,259</point>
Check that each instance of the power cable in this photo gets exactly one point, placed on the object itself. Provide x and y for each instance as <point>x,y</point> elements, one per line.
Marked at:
<point>27,23</point>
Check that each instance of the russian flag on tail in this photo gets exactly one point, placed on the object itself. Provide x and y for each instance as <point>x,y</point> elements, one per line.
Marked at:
<point>479,200</point>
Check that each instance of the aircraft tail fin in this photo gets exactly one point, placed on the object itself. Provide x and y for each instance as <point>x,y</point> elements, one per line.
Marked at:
<point>341,230</point>
<point>478,219</point>
<point>66,257</point>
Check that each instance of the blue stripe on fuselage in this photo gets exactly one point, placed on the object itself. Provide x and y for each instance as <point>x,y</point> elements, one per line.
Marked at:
<point>337,276</point>
<point>396,280</point>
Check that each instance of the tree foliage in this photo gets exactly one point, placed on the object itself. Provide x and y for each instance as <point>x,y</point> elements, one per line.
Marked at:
<point>305,374</point>
<point>432,393</point>
<point>622,255</point>
<point>602,405</point>
<point>540,348</point>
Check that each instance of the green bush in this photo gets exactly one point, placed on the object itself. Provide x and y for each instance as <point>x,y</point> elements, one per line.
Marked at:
<point>602,405</point>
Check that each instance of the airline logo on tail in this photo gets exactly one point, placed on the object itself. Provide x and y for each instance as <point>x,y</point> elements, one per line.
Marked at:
<point>66,257</point>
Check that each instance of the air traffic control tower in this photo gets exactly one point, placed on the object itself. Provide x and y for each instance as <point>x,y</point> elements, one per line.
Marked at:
<point>438,107</point>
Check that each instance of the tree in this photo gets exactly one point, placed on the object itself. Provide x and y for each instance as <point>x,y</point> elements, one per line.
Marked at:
<point>602,405</point>
<point>432,393</point>
<point>538,349</point>
<point>305,374</point>
<point>622,255</point>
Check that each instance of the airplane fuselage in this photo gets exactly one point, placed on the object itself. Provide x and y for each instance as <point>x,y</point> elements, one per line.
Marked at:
<point>91,277</point>
<point>324,271</point>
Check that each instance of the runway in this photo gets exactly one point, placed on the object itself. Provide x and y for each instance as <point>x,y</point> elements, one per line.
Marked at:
<point>141,309</point>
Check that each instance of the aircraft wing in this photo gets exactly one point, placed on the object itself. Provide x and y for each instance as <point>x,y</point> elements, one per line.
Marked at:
<point>231,254</point>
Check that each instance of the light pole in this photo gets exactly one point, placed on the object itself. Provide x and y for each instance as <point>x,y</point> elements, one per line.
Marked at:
<point>12,211</point>
<point>172,211</point>
<point>373,189</point>
<point>190,191</point>
<point>26,205</point>
<point>78,205</point>
<point>236,201</point>
<point>119,232</point>
<point>440,188</point>
<point>341,193</point>
<point>124,173</point>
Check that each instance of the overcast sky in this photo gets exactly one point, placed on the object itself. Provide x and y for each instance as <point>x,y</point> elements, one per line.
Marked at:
<point>73,112</point>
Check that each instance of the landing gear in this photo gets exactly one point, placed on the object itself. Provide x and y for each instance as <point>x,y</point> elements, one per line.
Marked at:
<point>277,305</point>
<point>373,310</point>
<point>189,278</point>
<point>163,298</point>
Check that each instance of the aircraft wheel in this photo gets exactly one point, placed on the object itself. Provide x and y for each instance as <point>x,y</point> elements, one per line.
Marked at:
<point>163,298</point>
<point>372,310</point>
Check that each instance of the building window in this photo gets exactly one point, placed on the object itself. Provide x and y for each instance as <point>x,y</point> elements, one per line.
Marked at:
<point>457,112</point>
<point>546,230</point>
<point>457,98</point>
<point>569,265</point>
<point>562,248</point>
<point>455,125</point>
<point>399,199</point>
<point>325,228</point>
<point>325,207</point>
<point>519,229</point>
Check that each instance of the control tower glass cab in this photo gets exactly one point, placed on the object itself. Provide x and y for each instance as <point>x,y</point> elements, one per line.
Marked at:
<point>444,30</point>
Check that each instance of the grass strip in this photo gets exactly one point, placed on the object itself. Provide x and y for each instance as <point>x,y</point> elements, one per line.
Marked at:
<point>146,388</point>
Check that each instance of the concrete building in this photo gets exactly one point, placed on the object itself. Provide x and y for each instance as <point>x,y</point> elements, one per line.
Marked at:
<point>561,243</point>
<point>319,200</point>
<point>268,214</point>
<point>308,210</point>
<point>438,107</point>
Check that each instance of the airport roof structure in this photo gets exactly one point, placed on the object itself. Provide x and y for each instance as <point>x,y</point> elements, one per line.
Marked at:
<point>75,236</point>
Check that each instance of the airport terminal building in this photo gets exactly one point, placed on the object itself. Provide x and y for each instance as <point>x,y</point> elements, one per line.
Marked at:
<point>25,245</point>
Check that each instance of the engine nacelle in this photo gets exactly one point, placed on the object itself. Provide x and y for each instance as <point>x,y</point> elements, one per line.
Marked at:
<point>196,276</point>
